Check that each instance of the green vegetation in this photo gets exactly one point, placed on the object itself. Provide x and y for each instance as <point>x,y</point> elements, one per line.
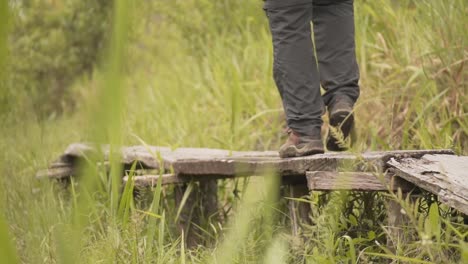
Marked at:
<point>198,73</point>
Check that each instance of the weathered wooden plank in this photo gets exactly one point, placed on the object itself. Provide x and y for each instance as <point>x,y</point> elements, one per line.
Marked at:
<point>59,170</point>
<point>444,175</point>
<point>359,181</point>
<point>55,173</point>
<point>251,163</point>
<point>151,180</point>
<point>223,163</point>
<point>149,156</point>
<point>144,181</point>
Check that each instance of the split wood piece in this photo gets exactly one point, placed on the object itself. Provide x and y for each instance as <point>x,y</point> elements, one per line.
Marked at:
<point>355,181</point>
<point>443,175</point>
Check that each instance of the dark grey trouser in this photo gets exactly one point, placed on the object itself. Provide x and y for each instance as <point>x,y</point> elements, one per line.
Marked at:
<point>295,69</point>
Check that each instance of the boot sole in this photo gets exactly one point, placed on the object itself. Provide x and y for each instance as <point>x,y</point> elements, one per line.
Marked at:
<point>344,121</point>
<point>293,151</point>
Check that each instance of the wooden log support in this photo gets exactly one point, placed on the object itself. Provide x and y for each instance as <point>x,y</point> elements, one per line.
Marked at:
<point>209,200</point>
<point>186,205</point>
<point>396,219</point>
<point>198,205</point>
<point>209,209</point>
<point>299,211</point>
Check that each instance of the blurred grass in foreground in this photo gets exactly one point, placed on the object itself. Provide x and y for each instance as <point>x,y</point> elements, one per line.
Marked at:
<point>7,250</point>
<point>198,73</point>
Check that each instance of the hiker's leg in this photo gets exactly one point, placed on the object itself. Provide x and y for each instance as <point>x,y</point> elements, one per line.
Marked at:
<point>334,39</point>
<point>295,70</point>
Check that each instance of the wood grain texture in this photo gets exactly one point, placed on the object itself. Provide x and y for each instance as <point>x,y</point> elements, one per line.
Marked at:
<point>357,181</point>
<point>444,175</point>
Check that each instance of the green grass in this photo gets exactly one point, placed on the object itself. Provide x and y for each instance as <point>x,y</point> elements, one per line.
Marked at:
<point>198,74</point>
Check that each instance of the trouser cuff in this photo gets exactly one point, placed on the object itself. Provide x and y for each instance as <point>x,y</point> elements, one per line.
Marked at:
<point>272,4</point>
<point>309,130</point>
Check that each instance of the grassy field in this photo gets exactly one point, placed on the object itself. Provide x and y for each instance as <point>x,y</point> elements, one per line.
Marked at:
<point>197,73</point>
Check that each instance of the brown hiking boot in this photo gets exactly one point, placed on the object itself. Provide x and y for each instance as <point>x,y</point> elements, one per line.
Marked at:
<point>301,145</point>
<point>341,124</point>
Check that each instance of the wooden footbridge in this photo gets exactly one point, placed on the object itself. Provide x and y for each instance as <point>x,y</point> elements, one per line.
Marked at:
<point>437,171</point>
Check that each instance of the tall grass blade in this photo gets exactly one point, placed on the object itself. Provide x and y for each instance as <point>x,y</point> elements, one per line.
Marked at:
<point>352,249</point>
<point>182,248</point>
<point>127,197</point>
